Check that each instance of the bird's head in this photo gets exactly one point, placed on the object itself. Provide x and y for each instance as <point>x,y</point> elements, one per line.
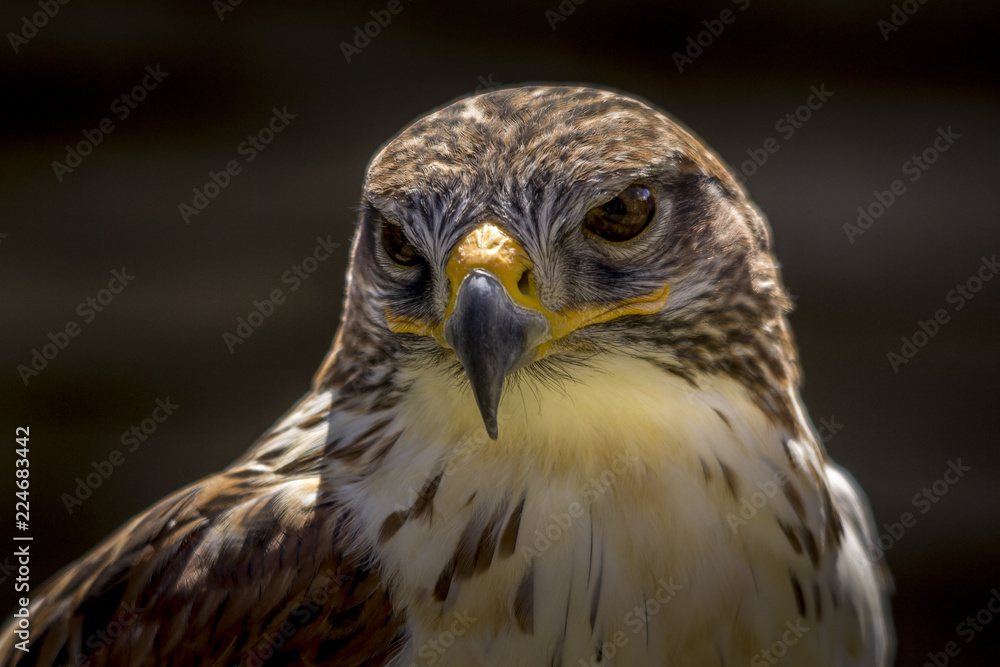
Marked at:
<point>518,235</point>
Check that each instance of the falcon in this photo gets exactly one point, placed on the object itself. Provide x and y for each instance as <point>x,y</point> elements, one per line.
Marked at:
<point>559,425</point>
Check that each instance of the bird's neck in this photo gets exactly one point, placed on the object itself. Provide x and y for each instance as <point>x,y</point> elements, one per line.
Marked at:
<point>579,426</point>
<point>618,458</point>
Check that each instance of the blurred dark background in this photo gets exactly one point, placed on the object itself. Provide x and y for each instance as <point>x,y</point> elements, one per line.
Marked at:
<point>162,336</point>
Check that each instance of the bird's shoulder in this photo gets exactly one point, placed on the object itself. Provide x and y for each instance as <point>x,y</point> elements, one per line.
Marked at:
<point>243,567</point>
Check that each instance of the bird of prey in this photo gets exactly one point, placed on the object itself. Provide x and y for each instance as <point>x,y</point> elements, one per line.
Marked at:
<point>559,425</point>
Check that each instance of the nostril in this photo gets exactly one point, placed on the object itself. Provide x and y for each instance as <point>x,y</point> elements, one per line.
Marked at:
<point>524,283</point>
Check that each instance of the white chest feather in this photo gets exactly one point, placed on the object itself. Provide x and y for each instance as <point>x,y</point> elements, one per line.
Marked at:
<point>626,519</point>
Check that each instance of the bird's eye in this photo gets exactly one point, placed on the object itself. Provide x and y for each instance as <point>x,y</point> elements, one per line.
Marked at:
<point>624,216</point>
<point>396,246</point>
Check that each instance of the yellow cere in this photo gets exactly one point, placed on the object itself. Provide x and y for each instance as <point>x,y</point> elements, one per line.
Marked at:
<point>490,248</point>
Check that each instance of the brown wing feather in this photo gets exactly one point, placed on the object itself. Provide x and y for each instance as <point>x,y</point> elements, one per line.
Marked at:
<point>240,568</point>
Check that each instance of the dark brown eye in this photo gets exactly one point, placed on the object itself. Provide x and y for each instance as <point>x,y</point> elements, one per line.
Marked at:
<point>396,245</point>
<point>624,216</point>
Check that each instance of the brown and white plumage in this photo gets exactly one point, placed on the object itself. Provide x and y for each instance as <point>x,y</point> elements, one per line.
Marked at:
<point>212,574</point>
<point>404,513</point>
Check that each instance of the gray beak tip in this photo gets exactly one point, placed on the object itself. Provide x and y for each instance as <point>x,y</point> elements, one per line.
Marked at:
<point>490,335</point>
<point>488,399</point>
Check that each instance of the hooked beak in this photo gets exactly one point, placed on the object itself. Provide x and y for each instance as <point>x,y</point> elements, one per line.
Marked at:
<point>495,321</point>
<point>492,337</point>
